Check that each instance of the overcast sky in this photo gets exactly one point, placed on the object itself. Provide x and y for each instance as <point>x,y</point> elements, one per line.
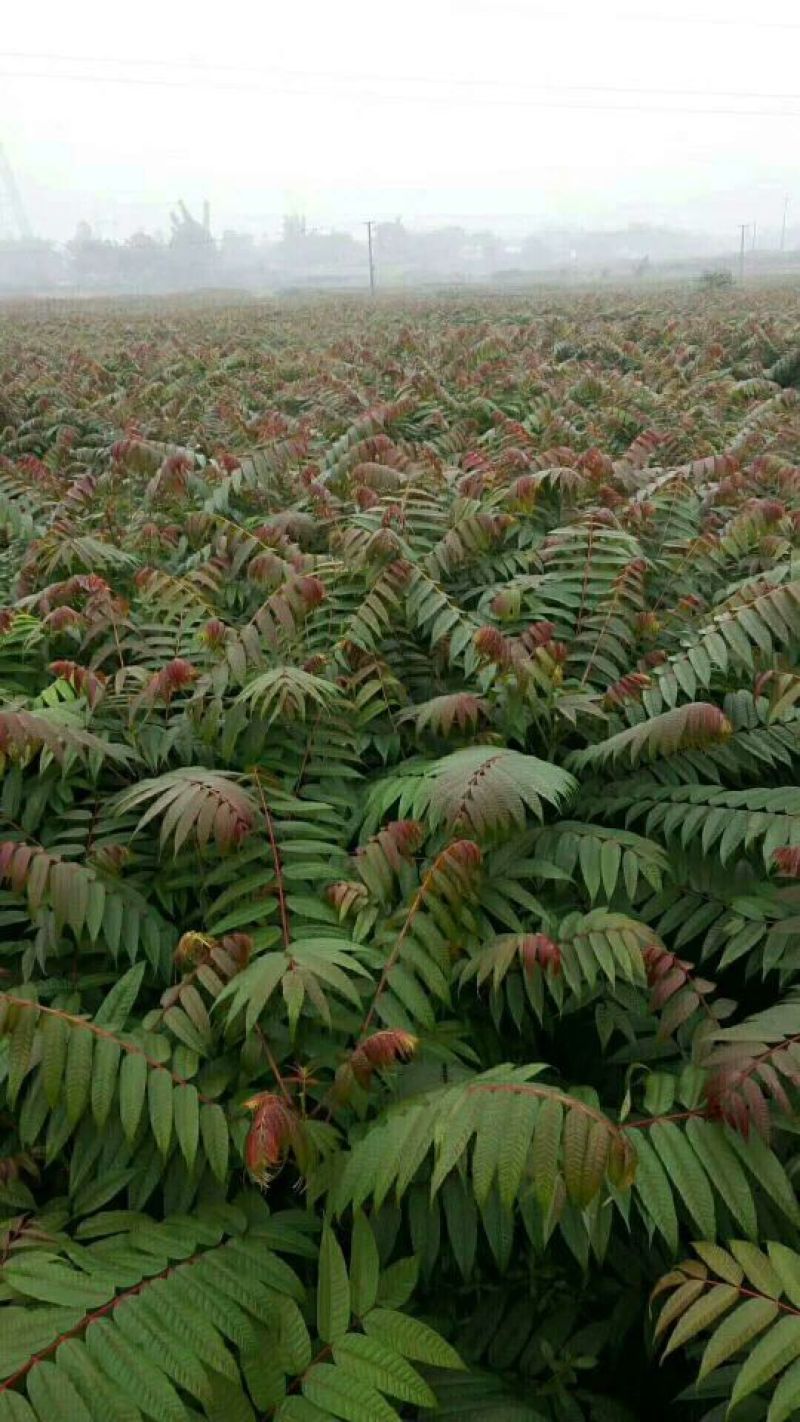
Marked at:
<point>510,113</point>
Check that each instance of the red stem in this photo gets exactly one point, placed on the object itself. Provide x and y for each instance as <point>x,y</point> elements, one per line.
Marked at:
<point>279,887</point>
<point>752,1294</point>
<point>96,1031</point>
<point>88,1319</point>
<point>657,1120</point>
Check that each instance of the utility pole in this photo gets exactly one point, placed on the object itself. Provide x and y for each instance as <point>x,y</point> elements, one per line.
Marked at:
<point>743,226</point>
<point>783,224</point>
<point>368,226</point>
<point>753,242</point>
<point>12,211</point>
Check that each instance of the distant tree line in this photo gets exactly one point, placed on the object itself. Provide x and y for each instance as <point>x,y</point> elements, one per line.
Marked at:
<point>191,257</point>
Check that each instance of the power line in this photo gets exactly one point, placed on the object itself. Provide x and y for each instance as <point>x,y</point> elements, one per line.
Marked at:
<point>743,226</point>
<point>13,201</point>
<point>341,76</point>
<point>435,99</point>
<point>326,220</point>
<point>371,259</point>
<point>691,21</point>
<point>708,21</point>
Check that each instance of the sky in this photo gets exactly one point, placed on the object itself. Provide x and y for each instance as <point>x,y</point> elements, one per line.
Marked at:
<point>512,114</point>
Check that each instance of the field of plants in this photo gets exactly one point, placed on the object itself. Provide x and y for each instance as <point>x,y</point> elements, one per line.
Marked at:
<point>400,860</point>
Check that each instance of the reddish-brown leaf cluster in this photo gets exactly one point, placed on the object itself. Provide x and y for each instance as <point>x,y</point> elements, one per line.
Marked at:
<point>214,632</point>
<point>767,510</point>
<point>384,545</point>
<point>90,583</point>
<point>287,528</point>
<point>611,498</point>
<point>228,462</point>
<point>88,683</point>
<point>491,644</point>
<point>642,448</point>
<point>37,470</point>
<point>734,1097</point>
<point>271,426</point>
<point>381,1049</point>
<point>536,950</point>
<point>198,526</point>
<point>155,535</point>
<point>506,603</point>
<point>518,654</point>
<point>462,709</point>
<point>537,634</point>
<point>206,962</point>
<point>81,585</point>
<point>463,854</point>
<point>381,478</point>
<point>475,461</point>
<point>639,515</point>
<point>631,577</point>
<point>745,1076</point>
<point>602,518</point>
<point>558,456</point>
<point>647,624</point>
<point>174,677</point>
<point>671,980</point>
<point>537,641</point>
<point>109,857</point>
<point>135,453</point>
<point>628,688</point>
<point>322,505</point>
<point>394,514</point>
<point>382,857</point>
<point>356,657</point>
<point>23,733</point>
<point>273,1131</point>
<point>523,493</point>
<point>80,492</point>
<point>595,462</point>
<point>400,571</point>
<point>266,569</point>
<point>398,841</point>
<point>472,485</point>
<point>16,860</point>
<point>787,861</point>
<point>173,476</point>
<point>288,605</point>
<point>195,949</point>
<point>62,618</point>
<point>772,545</point>
<point>703,723</point>
<point>346,895</point>
<point>690,603</point>
<point>13,1167</point>
<point>453,871</point>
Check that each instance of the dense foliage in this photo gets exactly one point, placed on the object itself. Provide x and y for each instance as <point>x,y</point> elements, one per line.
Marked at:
<point>399,836</point>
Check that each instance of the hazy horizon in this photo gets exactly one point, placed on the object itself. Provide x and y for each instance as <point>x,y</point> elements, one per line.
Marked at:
<point>511,116</point>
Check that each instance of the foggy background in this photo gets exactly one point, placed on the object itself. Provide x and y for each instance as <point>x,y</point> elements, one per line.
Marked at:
<point>506,137</point>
